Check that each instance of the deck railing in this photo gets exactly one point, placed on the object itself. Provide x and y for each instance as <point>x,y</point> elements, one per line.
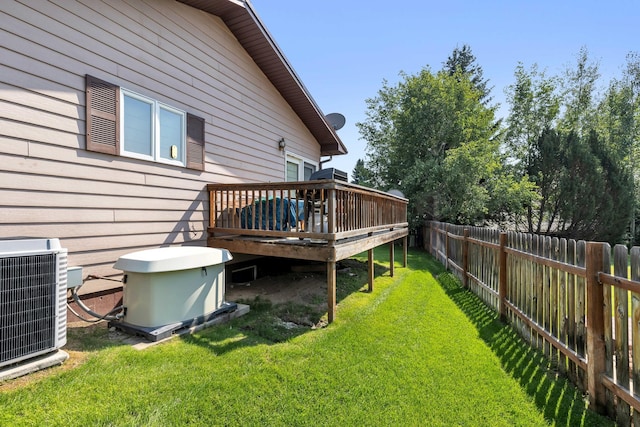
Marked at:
<point>324,209</point>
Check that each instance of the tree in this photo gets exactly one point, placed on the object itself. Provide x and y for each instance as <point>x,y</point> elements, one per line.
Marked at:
<point>535,106</point>
<point>577,149</point>
<point>618,117</point>
<point>545,169</point>
<point>585,190</point>
<point>432,137</point>
<point>361,175</point>
<point>579,86</point>
<point>464,61</point>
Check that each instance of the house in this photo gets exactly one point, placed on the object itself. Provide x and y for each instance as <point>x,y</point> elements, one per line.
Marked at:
<point>116,115</point>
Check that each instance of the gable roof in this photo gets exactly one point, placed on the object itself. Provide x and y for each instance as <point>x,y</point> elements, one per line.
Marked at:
<point>246,26</point>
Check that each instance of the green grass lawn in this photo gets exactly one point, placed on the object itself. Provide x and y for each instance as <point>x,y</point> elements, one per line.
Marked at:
<point>418,351</point>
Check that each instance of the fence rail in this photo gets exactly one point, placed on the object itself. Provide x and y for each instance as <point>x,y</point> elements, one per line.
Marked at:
<point>565,297</point>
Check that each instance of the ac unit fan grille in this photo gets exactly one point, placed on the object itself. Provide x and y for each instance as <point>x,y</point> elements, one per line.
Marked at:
<point>27,305</point>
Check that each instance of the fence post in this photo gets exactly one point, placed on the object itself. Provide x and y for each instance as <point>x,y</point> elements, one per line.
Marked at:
<point>502,279</point>
<point>446,246</point>
<point>465,257</point>
<point>595,326</point>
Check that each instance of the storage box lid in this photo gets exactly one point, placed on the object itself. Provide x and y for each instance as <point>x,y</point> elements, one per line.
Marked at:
<point>171,259</point>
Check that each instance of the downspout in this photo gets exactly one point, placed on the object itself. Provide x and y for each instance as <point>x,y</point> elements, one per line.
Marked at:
<point>322,162</point>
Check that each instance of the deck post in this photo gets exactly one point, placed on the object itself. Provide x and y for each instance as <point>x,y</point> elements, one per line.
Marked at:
<point>331,291</point>
<point>405,250</point>
<point>391,257</point>
<point>595,326</point>
<point>370,269</point>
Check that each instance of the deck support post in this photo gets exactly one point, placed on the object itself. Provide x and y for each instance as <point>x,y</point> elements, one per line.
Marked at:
<point>331,291</point>
<point>391,257</point>
<point>405,250</point>
<point>370,269</point>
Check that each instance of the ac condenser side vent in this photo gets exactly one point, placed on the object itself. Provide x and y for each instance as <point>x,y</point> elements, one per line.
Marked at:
<point>33,291</point>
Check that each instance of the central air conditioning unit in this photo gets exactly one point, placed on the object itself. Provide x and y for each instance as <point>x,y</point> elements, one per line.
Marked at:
<point>33,296</point>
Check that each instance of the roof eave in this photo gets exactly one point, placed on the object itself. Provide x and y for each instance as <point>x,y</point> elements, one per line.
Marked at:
<point>246,26</point>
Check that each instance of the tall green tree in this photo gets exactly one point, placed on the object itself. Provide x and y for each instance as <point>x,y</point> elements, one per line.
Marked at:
<point>619,123</point>
<point>544,167</point>
<point>584,189</point>
<point>432,137</point>
<point>462,60</point>
<point>596,192</point>
<point>579,96</point>
<point>534,106</point>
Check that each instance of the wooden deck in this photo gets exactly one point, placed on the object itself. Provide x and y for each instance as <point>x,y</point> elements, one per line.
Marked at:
<point>325,220</point>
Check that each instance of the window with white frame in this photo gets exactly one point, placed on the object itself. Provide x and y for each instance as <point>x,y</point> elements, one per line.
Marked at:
<point>151,130</point>
<point>299,168</point>
<point>124,123</point>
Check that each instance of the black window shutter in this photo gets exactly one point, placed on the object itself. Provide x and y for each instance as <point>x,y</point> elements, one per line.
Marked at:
<point>195,142</point>
<point>103,116</point>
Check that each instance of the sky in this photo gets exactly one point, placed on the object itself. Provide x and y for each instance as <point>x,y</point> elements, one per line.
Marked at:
<point>344,50</point>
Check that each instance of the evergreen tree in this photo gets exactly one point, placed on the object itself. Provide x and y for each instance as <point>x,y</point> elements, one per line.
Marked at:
<point>585,190</point>
<point>464,61</point>
<point>361,175</point>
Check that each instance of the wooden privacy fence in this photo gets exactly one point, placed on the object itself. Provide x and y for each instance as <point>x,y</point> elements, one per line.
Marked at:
<point>561,295</point>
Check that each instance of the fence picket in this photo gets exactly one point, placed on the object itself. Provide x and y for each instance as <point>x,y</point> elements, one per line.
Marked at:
<point>581,327</point>
<point>621,317</point>
<point>635,329</point>
<point>510,275</point>
<point>562,304</point>
<point>519,274</point>
<point>539,285</point>
<point>572,369</point>
<point>546,297</point>
<point>607,298</point>
<point>553,298</point>
<point>528,287</point>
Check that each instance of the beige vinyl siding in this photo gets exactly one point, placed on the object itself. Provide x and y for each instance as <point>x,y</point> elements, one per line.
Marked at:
<point>103,206</point>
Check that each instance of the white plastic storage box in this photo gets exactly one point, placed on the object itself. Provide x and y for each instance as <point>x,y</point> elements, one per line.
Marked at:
<point>172,285</point>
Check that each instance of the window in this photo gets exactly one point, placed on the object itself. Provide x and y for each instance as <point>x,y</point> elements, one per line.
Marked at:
<point>121,122</point>
<point>299,169</point>
<point>151,130</point>
<point>308,170</point>
<point>292,171</point>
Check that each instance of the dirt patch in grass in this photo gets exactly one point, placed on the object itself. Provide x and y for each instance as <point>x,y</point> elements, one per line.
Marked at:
<point>297,283</point>
<point>298,287</point>
<point>294,297</point>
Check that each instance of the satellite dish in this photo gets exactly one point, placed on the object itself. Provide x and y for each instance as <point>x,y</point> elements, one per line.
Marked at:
<point>336,120</point>
<point>396,192</point>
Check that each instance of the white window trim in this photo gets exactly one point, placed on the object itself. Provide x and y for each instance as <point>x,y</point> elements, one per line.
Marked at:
<point>155,131</point>
<point>291,157</point>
